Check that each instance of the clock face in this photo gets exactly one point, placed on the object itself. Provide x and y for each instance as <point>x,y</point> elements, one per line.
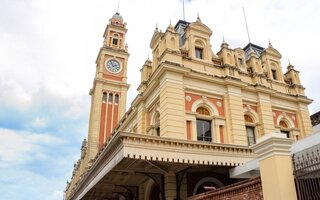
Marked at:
<point>113,66</point>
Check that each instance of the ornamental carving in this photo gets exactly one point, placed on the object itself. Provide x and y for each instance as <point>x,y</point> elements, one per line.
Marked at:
<point>247,118</point>
<point>202,111</point>
<point>188,98</point>
<point>219,104</point>
<point>204,98</point>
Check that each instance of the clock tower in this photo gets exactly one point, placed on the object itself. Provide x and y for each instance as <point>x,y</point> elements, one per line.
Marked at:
<point>109,90</point>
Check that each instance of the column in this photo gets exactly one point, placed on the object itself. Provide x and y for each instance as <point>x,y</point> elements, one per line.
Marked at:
<point>170,186</point>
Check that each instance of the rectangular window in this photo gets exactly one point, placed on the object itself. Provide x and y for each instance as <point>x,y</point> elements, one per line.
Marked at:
<point>274,74</point>
<point>250,135</point>
<point>204,130</point>
<point>158,131</point>
<point>199,53</point>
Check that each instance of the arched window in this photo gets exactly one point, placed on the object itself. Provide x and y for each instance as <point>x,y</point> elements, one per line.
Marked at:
<point>199,49</point>
<point>110,98</point>
<point>104,97</point>
<point>116,98</point>
<point>284,128</point>
<point>203,126</point>
<point>115,39</point>
<point>202,111</point>
<point>250,129</point>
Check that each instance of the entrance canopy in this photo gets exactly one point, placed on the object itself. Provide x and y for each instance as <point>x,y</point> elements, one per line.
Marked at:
<point>128,160</point>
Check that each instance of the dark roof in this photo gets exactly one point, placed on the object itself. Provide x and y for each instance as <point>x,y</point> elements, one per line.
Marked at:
<point>315,119</point>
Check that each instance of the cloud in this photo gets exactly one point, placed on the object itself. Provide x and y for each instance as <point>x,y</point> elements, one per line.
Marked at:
<point>18,148</point>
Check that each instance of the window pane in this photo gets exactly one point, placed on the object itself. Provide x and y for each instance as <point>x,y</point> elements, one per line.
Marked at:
<point>116,98</point>
<point>250,135</point>
<point>287,133</point>
<point>115,41</point>
<point>199,53</point>
<point>204,130</point>
<point>104,97</point>
<point>110,98</point>
<point>274,74</point>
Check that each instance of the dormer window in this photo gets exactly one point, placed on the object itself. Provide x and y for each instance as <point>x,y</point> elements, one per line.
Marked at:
<point>199,53</point>
<point>274,74</point>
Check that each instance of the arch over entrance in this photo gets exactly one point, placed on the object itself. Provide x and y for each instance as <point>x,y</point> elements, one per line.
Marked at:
<point>206,182</point>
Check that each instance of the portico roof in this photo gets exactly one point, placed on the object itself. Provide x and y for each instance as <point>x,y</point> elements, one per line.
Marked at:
<point>128,159</point>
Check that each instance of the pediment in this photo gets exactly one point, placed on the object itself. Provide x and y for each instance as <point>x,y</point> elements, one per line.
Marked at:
<point>272,51</point>
<point>200,27</point>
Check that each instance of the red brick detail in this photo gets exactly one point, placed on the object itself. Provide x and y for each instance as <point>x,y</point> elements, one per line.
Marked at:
<point>195,97</point>
<point>112,77</point>
<point>292,116</point>
<point>253,107</point>
<point>102,124</point>
<point>248,189</point>
<point>109,117</point>
<point>188,130</point>
<point>221,134</point>
<point>115,116</point>
<point>120,34</point>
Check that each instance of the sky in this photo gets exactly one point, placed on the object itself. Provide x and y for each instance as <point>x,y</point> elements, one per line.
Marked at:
<point>47,65</point>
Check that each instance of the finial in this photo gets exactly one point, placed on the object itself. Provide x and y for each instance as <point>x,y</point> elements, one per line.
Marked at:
<point>156,30</point>
<point>198,18</point>
<point>290,66</point>
<point>270,45</point>
<point>224,44</point>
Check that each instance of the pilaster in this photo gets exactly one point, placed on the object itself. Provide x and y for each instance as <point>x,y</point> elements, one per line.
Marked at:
<point>170,186</point>
<point>94,124</point>
<point>276,171</point>
<point>235,119</point>
<point>265,113</point>
<point>304,120</point>
<point>141,126</point>
<point>172,109</point>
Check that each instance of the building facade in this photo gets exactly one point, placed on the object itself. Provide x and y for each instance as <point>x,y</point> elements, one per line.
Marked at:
<point>195,116</point>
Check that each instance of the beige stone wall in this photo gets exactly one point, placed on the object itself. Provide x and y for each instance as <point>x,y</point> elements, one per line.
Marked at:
<point>172,109</point>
